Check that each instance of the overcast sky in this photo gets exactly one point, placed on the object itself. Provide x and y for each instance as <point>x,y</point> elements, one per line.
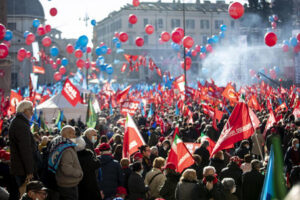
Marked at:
<point>71,13</point>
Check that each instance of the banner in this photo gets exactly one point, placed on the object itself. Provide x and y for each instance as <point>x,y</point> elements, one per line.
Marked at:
<point>192,146</point>
<point>71,93</point>
<point>129,107</point>
<point>38,70</point>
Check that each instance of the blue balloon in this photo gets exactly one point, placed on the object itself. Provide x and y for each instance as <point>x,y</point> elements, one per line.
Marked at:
<point>271,19</point>
<point>293,41</point>
<point>202,49</point>
<point>215,38</point>
<point>210,41</point>
<point>115,39</point>
<point>109,69</point>
<point>64,62</point>
<point>100,61</point>
<point>286,42</point>
<point>54,51</point>
<point>118,44</point>
<point>103,67</point>
<point>221,34</point>
<point>83,49</point>
<point>189,53</point>
<point>277,70</point>
<point>26,34</point>
<point>223,27</point>
<point>93,22</point>
<point>8,35</point>
<point>36,23</point>
<point>175,46</point>
<point>83,40</point>
<point>103,50</point>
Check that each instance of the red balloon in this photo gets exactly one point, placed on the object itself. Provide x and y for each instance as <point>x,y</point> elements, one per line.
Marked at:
<point>53,12</point>
<point>139,41</point>
<point>58,61</point>
<point>51,61</point>
<point>236,10</point>
<point>46,41</point>
<point>88,49</point>
<point>7,43</point>
<point>176,37</point>
<point>194,53</point>
<point>22,53</point>
<point>297,49</point>
<point>2,31</point>
<point>117,34</point>
<point>57,76</point>
<point>30,38</point>
<point>197,48</point>
<point>123,37</point>
<point>181,31</point>
<point>188,60</point>
<point>202,55</point>
<point>48,28</point>
<point>209,48</point>
<point>135,3</point>
<point>132,19</point>
<point>270,39</point>
<point>187,67</point>
<point>87,65</point>
<point>274,25</point>
<point>149,29</point>
<point>3,51</point>
<point>285,48</point>
<point>20,59</point>
<point>54,66</point>
<point>165,36</point>
<point>298,37</point>
<point>188,42</point>
<point>102,44</point>
<point>108,51</point>
<point>78,53</point>
<point>41,30</point>
<point>80,63</point>
<point>69,49</point>
<point>28,54</point>
<point>62,70</point>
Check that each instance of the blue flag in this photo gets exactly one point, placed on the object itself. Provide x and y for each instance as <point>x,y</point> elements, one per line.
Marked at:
<point>177,112</point>
<point>110,110</point>
<point>142,109</point>
<point>268,189</point>
<point>150,113</point>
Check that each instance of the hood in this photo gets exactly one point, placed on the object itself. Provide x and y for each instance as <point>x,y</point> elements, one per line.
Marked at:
<point>105,159</point>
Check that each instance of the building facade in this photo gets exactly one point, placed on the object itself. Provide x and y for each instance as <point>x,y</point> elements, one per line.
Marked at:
<point>202,20</point>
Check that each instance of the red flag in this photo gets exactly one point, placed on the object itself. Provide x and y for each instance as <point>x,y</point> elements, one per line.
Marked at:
<point>123,94</point>
<point>230,93</point>
<point>253,103</point>
<point>254,119</point>
<point>123,68</point>
<point>270,122</point>
<point>179,154</point>
<point>129,107</point>
<point>296,111</point>
<point>15,98</point>
<point>71,93</point>
<point>237,128</point>
<point>122,122</point>
<point>132,138</point>
<point>281,107</point>
<point>38,69</point>
<point>158,71</point>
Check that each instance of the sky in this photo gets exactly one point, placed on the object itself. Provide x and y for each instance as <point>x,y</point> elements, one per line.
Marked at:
<point>72,13</point>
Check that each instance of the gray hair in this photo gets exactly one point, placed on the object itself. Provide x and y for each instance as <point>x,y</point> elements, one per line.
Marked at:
<point>80,144</point>
<point>89,130</point>
<point>207,168</point>
<point>228,183</point>
<point>24,105</point>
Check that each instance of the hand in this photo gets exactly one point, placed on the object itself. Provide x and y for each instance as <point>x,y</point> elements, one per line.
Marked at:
<point>29,177</point>
<point>102,194</point>
<point>209,185</point>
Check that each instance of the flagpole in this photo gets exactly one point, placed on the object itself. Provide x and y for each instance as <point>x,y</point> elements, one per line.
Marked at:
<point>184,55</point>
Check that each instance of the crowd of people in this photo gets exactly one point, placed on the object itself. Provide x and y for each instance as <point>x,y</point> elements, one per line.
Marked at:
<point>78,162</point>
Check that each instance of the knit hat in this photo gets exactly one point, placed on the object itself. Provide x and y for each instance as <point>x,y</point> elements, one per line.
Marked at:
<point>170,165</point>
<point>104,147</point>
<point>137,156</point>
<point>121,190</point>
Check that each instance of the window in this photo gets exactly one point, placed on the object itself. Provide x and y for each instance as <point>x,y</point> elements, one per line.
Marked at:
<point>175,23</point>
<point>12,26</point>
<point>232,24</point>
<point>130,25</point>
<point>146,39</point>
<point>160,23</point>
<point>145,21</point>
<point>190,24</point>
<point>204,24</point>
<point>218,23</point>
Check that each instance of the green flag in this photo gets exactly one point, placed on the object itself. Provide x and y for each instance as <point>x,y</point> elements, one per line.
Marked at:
<point>91,117</point>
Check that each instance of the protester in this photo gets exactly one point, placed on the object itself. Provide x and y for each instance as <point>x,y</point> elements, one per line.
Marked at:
<point>292,156</point>
<point>167,191</point>
<point>203,152</point>
<point>35,190</point>
<point>229,188</point>
<point>90,137</point>
<point>136,185</point>
<point>218,161</point>
<point>126,171</point>
<point>146,152</point>
<point>243,149</point>
<point>246,166</point>
<point>187,188</point>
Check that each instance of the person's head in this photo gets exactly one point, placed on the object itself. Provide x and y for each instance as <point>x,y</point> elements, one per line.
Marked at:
<point>295,143</point>
<point>209,171</point>
<point>103,139</point>
<point>145,151</point>
<point>197,159</point>
<point>158,162</point>
<point>166,145</point>
<point>104,148</point>
<point>25,107</point>
<point>248,158</point>
<point>229,185</point>
<point>170,168</point>
<point>68,132</point>
<point>91,134</point>
<point>154,150</point>
<point>137,167</point>
<point>245,144</point>
<point>219,155</point>
<point>124,162</point>
<point>205,143</point>
<point>138,157</point>
<point>80,144</point>
<point>36,190</point>
<point>256,164</point>
<point>121,192</point>
<point>118,139</point>
<point>118,149</point>
<point>189,175</point>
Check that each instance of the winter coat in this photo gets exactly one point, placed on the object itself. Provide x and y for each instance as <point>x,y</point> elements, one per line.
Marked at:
<point>204,153</point>
<point>147,165</point>
<point>252,184</point>
<point>69,172</point>
<point>126,174</point>
<point>217,193</point>
<point>229,196</point>
<point>153,139</point>
<point>187,190</point>
<point>156,182</point>
<point>168,189</point>
<point>218,164</point>
<point>89,144</point>
<point>23,149</point>
<point>110,175</point>
<point>241,152</point>
<point>88,186</point>
<point>136,187</point>
<point>291,158</point>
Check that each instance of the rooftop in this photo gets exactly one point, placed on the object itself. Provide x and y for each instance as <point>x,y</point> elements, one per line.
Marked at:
<point>22,8</point>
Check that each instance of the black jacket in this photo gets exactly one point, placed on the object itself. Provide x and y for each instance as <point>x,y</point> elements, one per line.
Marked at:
<point>187,190</point>
<point>111,175</point>
<point>168,189</point>
<point>136,187</point>
<point>218,164</point>
<point>23,149</point>
<point>126,174</point>
<point>217,193</point>
<point>88,186</point>
<point>89,144</point>
<point>204,153</point>
<point>252,184</point>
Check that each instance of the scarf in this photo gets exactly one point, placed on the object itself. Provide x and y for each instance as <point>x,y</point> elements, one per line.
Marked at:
<point>214,181</point>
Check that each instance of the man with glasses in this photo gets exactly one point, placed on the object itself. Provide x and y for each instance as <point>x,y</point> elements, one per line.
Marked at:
<point>35,190</point>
